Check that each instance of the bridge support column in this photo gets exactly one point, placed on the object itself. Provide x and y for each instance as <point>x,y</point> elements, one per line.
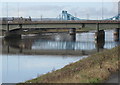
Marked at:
<point>83,25</point>
<point>20,25</point>
<point>12,36</point>
<point>100,39</point>
<point>72,31</point>
<point>116,34</point>
<point>7,27</point>
<point>73,37</point>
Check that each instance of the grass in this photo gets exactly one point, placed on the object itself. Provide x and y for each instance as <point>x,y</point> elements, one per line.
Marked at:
<point>93,69</point>
<point>94,80</point>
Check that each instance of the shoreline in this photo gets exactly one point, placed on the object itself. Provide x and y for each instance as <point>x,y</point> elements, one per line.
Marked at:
<point>96,68</point>
<point>50,52</point>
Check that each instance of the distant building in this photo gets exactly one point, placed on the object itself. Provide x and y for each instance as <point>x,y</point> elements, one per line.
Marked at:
<point>14,19</point>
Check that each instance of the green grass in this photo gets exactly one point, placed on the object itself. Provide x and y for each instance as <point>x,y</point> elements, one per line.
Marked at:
<point>94,80</point>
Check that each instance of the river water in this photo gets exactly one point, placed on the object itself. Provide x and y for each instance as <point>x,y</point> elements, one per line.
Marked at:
<point>19,66</point>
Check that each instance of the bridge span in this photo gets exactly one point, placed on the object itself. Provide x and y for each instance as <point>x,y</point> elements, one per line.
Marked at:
<point>72,25</point>
<point>56,24</point>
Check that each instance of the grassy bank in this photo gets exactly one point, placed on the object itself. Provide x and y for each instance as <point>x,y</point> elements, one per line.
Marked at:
<point>94,69</point>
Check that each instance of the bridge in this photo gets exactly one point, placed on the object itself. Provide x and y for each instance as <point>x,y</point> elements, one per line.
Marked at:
<point>57,24</point>
<point>16,28</point>
<point>117,17</point>
<point>68,16</point>
<point>67,21</point>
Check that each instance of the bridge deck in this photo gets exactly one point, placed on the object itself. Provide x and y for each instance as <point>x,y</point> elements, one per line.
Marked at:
<point>63,22</point>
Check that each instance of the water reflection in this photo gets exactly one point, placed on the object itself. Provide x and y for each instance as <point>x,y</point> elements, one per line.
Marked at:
<point>23,67</point>
<point>18,68</point>
<point>62,41</point>
<point>110,39</point>
<point>64,45</point>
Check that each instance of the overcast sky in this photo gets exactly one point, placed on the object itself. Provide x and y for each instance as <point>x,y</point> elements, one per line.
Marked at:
<point>59,0</point>
<point>83,10</point>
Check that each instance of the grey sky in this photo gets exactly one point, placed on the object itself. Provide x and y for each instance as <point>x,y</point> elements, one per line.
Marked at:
<point>53,9</point>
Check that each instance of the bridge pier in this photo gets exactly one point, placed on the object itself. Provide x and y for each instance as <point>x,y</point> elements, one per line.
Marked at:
<point>116,34</point>
<point>73,37</point>
<point>100,39</point>
<point>12,36</point>
<point>83,25</point>
<point>7,27</point>
<point>97,26</point>
<point>72,31</point>
<point>20,25</point>
<point>100,35</point>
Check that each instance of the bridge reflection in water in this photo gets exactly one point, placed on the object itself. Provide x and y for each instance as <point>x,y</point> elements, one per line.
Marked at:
<point>52,45</point>
<point>62,41</point>
<point>63,45</point>
<point>84,41</point>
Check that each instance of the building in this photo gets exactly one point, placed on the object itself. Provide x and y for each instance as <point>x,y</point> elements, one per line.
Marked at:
<point>15,19</point>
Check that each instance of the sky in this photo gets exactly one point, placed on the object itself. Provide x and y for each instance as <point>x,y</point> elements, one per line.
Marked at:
<point>59,0</point>
<point>82,10</point>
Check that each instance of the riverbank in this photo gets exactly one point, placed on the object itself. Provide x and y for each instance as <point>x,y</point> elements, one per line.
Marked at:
<point>96,68</point>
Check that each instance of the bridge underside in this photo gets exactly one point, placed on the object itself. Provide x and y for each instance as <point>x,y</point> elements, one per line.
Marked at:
<point>17,28</point>
<point>12,36</point>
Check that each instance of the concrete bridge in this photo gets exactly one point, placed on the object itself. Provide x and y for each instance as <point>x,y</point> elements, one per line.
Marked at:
<point>15,28</point>
<point>56,24</point>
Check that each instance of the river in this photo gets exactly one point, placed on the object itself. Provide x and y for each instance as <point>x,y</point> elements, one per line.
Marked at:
<point>21,60</point>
